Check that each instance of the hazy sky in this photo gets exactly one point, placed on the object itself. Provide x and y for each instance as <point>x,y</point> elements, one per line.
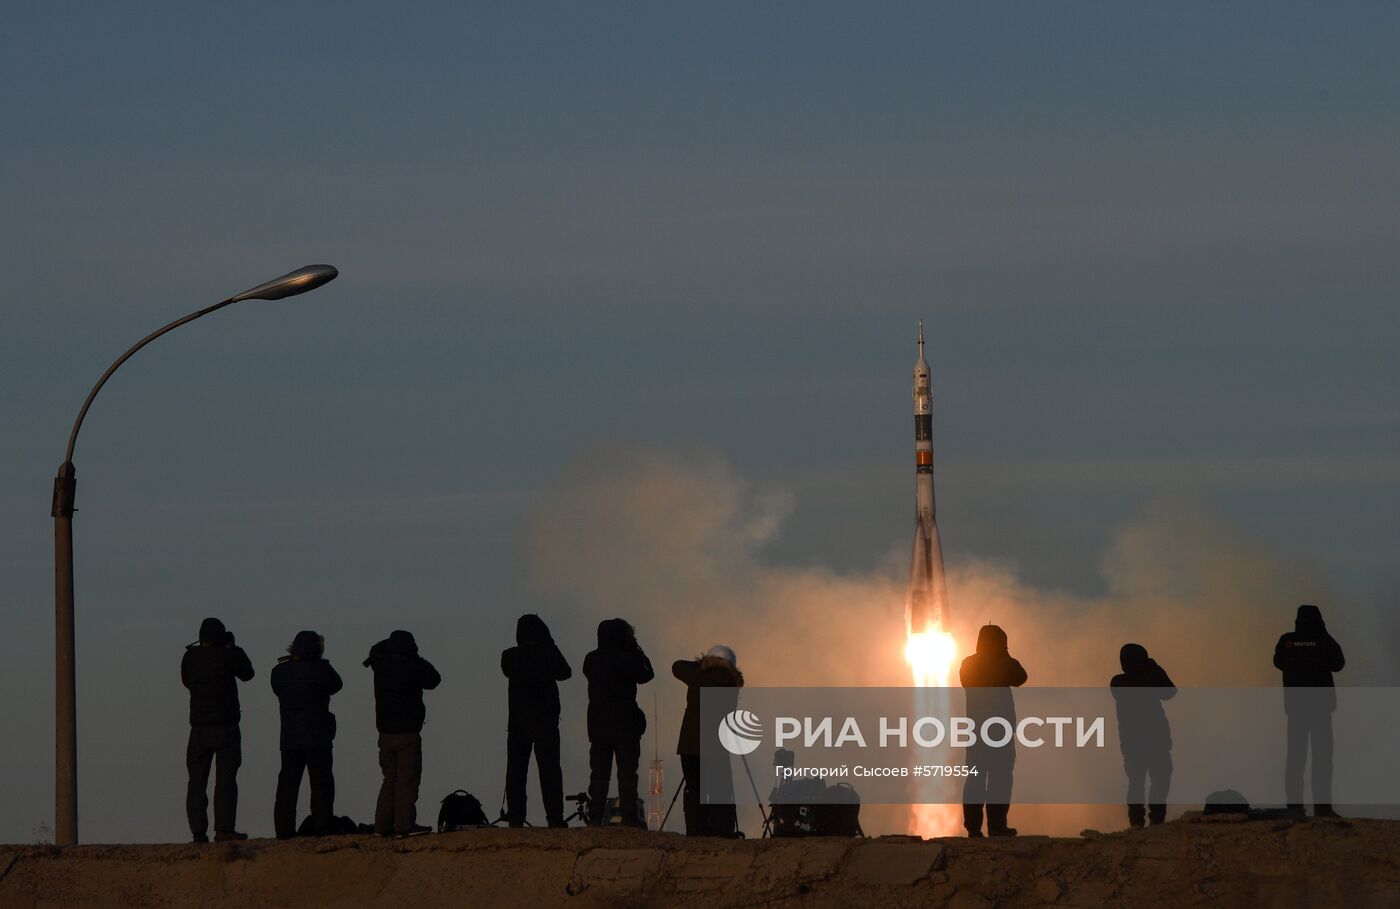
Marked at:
<point>1155,249</point>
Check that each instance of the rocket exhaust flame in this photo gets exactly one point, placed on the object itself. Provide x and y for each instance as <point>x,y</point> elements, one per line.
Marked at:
<point>929,648</point>
<point>930,655</point>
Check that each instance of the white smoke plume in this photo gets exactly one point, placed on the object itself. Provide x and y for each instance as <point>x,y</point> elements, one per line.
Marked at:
<point>674,541</point>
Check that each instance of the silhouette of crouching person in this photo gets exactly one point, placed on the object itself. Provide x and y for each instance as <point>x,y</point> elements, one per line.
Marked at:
<point>304,683</point>
<point>1144,735</point>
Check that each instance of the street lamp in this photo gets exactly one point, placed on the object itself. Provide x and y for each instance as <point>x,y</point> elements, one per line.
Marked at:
<point>64,488</point>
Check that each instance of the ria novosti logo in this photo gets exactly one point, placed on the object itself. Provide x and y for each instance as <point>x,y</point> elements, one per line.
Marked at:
<point>740,732</point>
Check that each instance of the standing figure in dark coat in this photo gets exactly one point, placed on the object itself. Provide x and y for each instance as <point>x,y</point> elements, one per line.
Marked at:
<point>989,675</point>
<point>400,678</point>
<point>535,667</point>
<point>1307,657</point>
<point>211,669</point>
<point>709,809</point>
<point>304,683</point>
<point>615,722</point>
<point>1144,735</point>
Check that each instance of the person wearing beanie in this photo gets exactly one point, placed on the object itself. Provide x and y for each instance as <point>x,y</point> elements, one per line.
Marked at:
<point>211,669</point>
<point>1144,735</point>
<point>304,682</point>
<point>1307,656</point>
<point>709,805</point>
<point>400,678</point>
<point>989,675</point>
<point>534,667</point>
<point>615,722</point>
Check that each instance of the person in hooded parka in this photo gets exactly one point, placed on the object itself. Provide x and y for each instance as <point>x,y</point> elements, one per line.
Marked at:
<point>615,722</point>
<point>1144,735</point>
<point>401,676</point>
<point>211,669</point>
<point>304,682</point>
<point>534,667</point>
<point>1307,656</point>
<point>988,677</point>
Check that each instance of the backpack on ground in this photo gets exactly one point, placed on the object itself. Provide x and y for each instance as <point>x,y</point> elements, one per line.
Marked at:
<point>838,814</point>
<point>1226,801</point>
<point>459,811</point>
<point>340,826</point>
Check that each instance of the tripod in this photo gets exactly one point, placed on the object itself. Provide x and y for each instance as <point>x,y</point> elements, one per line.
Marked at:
<point>581,810</point>
<point>679,787</point>
<point>767,820</point>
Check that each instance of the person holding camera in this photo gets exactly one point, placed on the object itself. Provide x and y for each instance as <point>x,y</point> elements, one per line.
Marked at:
<point>211,669</point>
<point>615,722</point>
<point>1308,656</point>
<point>1144,734</point>
<point>988,677</point>
<point>400,678</point>
<point>304,682</point>
<point>535,667</point>
<point>708,811</point>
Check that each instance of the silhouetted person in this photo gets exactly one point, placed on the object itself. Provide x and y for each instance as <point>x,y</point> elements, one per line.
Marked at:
<point>535,667</point>
<point>400,678</point>
<point>304,683</point>
<point>989,675</point>
<point>615,722</point>
<point>211,670</point>
<point>708,805</point>
<point>1144,735</point>
<point>1308,656</point>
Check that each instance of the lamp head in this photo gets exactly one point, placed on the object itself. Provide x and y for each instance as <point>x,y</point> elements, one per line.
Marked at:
<point>292,283</point>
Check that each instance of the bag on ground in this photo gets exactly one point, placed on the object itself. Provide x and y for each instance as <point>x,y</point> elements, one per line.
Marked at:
<point>459,811</point>
<point>793,807</point>
<point>839,811</point>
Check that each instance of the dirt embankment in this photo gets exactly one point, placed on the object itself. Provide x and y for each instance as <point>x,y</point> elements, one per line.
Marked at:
<point>1193,862</point>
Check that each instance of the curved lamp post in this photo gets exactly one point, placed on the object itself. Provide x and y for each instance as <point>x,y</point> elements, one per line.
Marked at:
<point>64,489</point>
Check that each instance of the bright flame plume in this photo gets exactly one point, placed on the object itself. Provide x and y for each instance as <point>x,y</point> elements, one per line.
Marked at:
<point>931,655</point>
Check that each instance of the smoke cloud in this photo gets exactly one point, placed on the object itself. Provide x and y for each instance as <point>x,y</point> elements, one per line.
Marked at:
<point>674,542</point>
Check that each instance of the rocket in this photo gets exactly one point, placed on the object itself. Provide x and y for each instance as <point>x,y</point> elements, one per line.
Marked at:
<point>927,606</point>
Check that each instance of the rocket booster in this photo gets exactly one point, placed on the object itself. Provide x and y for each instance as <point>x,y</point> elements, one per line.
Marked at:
<point>927,606</point>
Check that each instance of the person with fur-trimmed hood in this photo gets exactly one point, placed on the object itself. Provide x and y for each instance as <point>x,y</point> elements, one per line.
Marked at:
<point>211,669</point>
<point>708,805</point>
<point>1307,656</point>
<point>400,678</point>
<point>615,722</point>
<point>304,682</point>
<point>535,667</point>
